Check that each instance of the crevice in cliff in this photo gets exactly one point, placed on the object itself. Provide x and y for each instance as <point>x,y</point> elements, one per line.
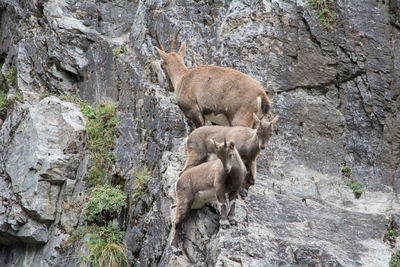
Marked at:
<point>395,25</point>
<point>312,36</point>
<point>323,85</point>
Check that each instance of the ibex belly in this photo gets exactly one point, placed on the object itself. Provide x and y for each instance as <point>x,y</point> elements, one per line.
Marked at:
<point>203,197</point>
<point>219,119</point>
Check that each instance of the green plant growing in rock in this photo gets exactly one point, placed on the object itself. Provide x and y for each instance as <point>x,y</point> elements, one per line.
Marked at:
<point>395,259</point>
<point>147,65</point>
<point>72,98</point>
<point>3,95</point>
<point>355,186</point>
<point>18,97</point>
<point>106,248</point>
<point>139,186</point>
<point>88,111</point>
<point>346,171</point>
<point>390,234</point>
<point>101,130</point>
<point>121,50</point>
<point>79,233</point>
<point>105,202</point>
<point>390,237</point>
<point>323,10</point>
<point>46,94</point>
<point>3,103</point>
<point>10,76</point>
<point>105,244</point>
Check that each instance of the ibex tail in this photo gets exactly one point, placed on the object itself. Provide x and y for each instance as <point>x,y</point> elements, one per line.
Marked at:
<point>265,106</point>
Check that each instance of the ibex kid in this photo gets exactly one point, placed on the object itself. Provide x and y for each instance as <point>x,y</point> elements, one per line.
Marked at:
<point>207,182</point>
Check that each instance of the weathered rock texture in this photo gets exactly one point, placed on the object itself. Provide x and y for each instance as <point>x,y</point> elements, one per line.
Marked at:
<point>336,91</point>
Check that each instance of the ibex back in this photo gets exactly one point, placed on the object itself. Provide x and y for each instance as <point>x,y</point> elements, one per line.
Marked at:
<point>221,95</point>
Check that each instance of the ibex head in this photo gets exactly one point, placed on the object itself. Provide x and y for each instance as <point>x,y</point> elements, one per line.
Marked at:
<point>225,153</point>
<point>172,61</point>
<point>265,129</point>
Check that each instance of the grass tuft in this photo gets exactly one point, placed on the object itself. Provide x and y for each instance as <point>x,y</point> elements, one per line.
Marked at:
<point>106,248</point>
<point>101,130</point>
<point>324,11</point>
<point>121,50</point>
<point>10,76</point>
<point>105,203</point>
<point>355,186</point>
<point>139,186</point>
<point>3,103</point>
<point>395,259</point>
<point>346,171</point>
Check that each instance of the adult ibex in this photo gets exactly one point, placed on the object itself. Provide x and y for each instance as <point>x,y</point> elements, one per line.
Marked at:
<point>208,182</point>
<point>221,95</point>
<point>249,143</point>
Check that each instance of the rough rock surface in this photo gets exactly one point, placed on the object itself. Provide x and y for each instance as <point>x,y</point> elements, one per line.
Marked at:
<point>337,92</point>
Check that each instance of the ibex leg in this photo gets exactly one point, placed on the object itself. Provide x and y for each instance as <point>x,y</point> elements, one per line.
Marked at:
<point>182,209</point>
<point>223,221</point>
<point>195,115</point>
<point>232,201</point>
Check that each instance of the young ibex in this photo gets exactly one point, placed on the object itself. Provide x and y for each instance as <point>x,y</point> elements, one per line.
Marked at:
<point>208,182</point>
<point>249,143</point>
<point>221,95</point>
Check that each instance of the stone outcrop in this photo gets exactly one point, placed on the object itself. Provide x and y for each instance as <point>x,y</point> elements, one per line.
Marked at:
<point>335,89</point>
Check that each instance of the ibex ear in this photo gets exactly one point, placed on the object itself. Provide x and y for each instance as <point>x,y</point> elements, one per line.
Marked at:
<point>182,50</point>
<point>256,121</point>
<point>231,145</point>
<point>275,120</point>
<point>163,55</point>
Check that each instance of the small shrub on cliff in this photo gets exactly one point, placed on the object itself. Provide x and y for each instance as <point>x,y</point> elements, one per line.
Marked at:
<point>395,259</point>
<point>106,248</point>
<point>355,186</point>
<point>10,76</point>
<point>3,103</point>
<point>324,11</point>
<point>139,186</point>
<point>346,171</point>
<point>390,233</point>
<point>147,65</point>
<point>121,50</point>
<point>101,130</point>
<point>105,203</point>
<point>88,111</point>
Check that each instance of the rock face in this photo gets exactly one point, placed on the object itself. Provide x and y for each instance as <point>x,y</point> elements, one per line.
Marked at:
<point>336,91</point>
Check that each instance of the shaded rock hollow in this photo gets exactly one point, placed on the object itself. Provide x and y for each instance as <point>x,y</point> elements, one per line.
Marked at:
<point>336,91</point>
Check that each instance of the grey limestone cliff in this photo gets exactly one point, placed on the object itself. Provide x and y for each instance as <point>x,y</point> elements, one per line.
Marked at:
<point>336,90</point>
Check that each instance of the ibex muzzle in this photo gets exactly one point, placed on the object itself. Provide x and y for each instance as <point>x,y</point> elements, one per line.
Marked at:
<point>221,95</point>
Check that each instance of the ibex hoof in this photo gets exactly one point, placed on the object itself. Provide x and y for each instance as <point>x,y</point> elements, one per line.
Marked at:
<point>243,193</point>
<point>176,251</point>
<point>224,224</point>
<point>233,221</point>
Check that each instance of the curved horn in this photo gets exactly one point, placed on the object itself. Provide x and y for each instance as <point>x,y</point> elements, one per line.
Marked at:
<point>159,43</point>
<point>173,43</point>
<point>225,145</point>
